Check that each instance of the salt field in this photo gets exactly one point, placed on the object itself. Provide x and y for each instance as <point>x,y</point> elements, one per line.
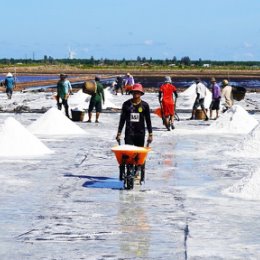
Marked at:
<point>63,199</point>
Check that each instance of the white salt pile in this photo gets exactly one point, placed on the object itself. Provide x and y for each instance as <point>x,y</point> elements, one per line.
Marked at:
<point>128,147</point>
<point>247,188</point>
<point>79,100</point>
<point>16,140</point>
<point>234,120</point>
<point>108,97</point>
<point>188,97</point>
<point>54,122</point>
<point>250,145</point>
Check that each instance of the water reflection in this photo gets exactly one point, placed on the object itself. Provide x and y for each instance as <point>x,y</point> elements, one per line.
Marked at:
<point>135,240</point>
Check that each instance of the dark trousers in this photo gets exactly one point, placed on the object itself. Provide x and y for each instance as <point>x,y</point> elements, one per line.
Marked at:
<point>65,104</point>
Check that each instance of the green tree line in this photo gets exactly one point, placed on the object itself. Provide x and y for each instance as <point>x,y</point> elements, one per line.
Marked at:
<point>139,61</point>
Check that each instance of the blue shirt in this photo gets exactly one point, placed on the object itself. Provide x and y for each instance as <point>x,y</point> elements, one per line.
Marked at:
<point>63,88</point>
<point>9,82</point>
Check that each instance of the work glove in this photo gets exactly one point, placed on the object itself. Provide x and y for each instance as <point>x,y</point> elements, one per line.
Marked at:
<point>150,139</point>
<point>118,136</point>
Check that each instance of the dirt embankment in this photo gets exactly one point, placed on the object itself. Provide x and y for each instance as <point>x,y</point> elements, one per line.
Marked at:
<point>78,74</point>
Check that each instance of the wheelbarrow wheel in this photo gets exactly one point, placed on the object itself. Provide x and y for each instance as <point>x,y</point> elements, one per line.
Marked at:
<point>129,181</point>
<point>142,174</point>
<point>121,172</point>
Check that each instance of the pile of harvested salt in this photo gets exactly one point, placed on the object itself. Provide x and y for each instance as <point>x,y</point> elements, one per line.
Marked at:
<point>250,145</point>
<point>188,97</point>
<point>247,188</point>
<point>128,147</point>
<point>54,122</point>
<point>234,120</point>
<point>16,140</point>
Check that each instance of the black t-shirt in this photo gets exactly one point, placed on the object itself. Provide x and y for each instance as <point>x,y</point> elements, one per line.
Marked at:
<point>135,116</point>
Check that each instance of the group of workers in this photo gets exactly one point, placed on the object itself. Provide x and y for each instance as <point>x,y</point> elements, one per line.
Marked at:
<point>201,92</point>
<point>135,112</point>
<point>123,84</point>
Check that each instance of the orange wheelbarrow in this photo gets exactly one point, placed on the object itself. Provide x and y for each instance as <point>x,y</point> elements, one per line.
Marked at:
<point>131,160</point>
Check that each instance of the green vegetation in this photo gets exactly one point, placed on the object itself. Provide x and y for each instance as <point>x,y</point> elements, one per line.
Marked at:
<point>149,64</point>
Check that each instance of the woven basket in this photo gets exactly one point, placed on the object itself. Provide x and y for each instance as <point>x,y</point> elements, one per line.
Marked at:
<point>89,87</point>
<point>77,115</point>
<point>199,114</point>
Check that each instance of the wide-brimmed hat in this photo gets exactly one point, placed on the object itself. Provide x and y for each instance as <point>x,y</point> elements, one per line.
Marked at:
<point>213,79</point>
<point>62,75</point>
<point>97,78</point>
<point>167,79</point>
<point>9,74</point>
<point>137,88</point>
<point>225,82</point>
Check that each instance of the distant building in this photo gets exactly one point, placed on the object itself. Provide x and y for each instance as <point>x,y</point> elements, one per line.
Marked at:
<point>206,65</point>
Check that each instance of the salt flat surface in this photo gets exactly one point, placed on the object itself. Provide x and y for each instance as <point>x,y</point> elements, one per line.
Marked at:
<point>197,202</point>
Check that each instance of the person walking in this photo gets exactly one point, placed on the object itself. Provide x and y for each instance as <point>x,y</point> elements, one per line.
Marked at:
<point>166,100</point>
<point>63,88</point>
<point>201,92</point>
<point>128,83</point>
<point>135,114</point>
<point>119,85</point>
<point>9,84</point>
<point>227,94</point>
<point>96,100</point>
<point>216,96</point>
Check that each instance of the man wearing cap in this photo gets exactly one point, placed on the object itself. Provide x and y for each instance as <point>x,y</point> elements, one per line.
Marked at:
<point>96,100</point>
<point>216,96</point>
<point>227,94</point>
<point>135,113</point>
<point>167,102</point>
<point>63,89</point>
<point>201,92</point>
<point>9,84</point>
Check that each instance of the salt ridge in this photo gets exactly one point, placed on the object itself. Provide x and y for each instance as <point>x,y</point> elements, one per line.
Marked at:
<point>234,120</point>
<point>247,188</point>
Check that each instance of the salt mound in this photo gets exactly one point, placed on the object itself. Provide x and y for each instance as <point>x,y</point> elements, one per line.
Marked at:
<point>79,100</point>
<point>108,97</point>
<point>16,140</point>
<point>247,188</point>
<point>128,147</point>
<point>54,122</point>
<point>250,146</point>
<point>189,95</point>
<point>234,120</point>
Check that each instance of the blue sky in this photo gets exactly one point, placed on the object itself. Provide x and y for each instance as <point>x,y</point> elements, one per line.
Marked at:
<point>117,29</point>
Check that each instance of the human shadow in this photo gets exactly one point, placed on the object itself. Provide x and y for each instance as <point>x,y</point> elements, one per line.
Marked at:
<point>99,182</point>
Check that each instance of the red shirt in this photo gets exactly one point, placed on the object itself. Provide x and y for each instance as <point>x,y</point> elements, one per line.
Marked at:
<point>167,91</point>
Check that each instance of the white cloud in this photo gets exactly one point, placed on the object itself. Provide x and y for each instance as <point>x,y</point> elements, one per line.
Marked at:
<point>247,45</point>
<point>148,42</point>
<point>249,55</point>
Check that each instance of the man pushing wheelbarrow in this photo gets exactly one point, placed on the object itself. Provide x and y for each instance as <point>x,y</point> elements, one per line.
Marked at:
<point>134,115</point>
